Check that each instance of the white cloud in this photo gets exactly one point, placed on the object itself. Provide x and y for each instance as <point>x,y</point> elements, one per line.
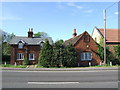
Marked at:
<point>116,13</point>
<point>88,11</point>
<point>70,4</point>
<point>79,7</point>
<point>74,5</point>
<point>10,18</point>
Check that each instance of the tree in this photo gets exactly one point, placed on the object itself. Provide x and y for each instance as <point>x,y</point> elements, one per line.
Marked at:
<point>70,56</point>
<point>100,52</point>
<point>117,51</point>
<point>41,34</point>
<point>117,54</point>
<point>6,47</point>
<point>26,61</point>
<point>45,56</point>
<point>58,53</point>
<point>5,43</point>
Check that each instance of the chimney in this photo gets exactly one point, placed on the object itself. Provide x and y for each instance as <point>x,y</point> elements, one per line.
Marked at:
<point>30,33</point>
<point>74,34</point>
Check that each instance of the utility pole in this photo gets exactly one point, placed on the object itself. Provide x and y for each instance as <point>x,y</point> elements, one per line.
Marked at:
<point>105,37</point>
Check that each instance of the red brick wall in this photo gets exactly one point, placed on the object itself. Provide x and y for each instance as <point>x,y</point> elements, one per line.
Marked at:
<point>25,50</point>
<point>81,46</point>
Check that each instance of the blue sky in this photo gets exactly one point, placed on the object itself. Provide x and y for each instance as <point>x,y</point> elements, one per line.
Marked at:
<point>58,19</point>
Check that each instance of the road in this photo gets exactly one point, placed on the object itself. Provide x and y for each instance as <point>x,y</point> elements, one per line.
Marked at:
<point>60,79</point>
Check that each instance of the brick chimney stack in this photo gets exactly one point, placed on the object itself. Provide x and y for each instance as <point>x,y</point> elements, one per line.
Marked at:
<point>74,34</point>
<point>30,33</point>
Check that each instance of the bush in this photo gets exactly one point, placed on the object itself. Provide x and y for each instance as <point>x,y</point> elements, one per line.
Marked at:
<point>6,58</point>
<point>25,62</point>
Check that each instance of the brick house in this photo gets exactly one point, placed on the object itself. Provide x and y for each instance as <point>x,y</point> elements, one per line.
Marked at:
<point>26,47</point>
<point>112,38</point>
<point>86,49</point>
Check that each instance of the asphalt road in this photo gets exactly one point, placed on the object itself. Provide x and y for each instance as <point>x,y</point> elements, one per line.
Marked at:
<point>60,79</point>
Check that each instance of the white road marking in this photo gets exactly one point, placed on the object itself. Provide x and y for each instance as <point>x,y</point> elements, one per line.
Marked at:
<point>53,82</point>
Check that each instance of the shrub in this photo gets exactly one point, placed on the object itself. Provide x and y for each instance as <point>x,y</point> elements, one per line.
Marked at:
<point>25,62</point>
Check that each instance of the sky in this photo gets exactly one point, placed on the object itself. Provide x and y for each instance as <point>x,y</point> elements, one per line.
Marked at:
<point>57,19</point>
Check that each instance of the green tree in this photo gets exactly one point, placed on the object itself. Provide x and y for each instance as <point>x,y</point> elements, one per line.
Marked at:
<point>5,43</point>
<point>26,61</point>
<point>117,51</point>
<point>117,54</point>
<point>58,53</point>
<point>70,56</point>
<point>100,52</point>
<point>45,56</point>
<point>41,34</point>
<point>6,47</point>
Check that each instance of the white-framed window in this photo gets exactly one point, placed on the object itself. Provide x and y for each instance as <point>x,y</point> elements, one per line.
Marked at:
<point>20,56</point>
<point>31,56</point>
<point>20,45</point>
<point>86,56</point>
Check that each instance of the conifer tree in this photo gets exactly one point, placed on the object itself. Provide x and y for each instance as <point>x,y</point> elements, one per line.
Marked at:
<point>45,56</point>
<point>58,53</point>
<point>70,56</point>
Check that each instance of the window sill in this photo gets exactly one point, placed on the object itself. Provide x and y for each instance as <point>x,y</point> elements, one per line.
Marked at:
<point>87,60</point>
<point>20,59</point>
<point>31,59</point>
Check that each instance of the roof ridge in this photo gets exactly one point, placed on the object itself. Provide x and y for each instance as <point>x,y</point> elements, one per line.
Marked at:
<point>108,28</point>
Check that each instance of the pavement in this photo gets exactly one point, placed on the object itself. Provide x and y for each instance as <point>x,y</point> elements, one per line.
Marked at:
<point>62,69</point>
<point>60,79</point>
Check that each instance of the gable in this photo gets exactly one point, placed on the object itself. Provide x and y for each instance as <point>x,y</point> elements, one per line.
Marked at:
<point>96,35</point>
<point>85,37</point>
<point>21,41</point>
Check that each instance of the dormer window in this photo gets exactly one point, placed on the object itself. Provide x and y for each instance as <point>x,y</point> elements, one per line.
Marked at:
<point>41,44</point>
<point>20,45</point>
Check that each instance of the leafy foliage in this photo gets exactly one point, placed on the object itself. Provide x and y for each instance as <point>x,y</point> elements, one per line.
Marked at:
<point>6,47</point>
<point>26,61</point>
<point>117,54</point>
<point>46,53</point>
<point>70,56</point>
<point>109,55</point>
<point>58,54</point>
<point>41,34</point>
<point>117,51</point>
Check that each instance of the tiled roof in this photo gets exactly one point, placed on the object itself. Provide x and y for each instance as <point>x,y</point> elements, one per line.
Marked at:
<point>74,40</point>
<point>30,41</point>
<point>111,34</point>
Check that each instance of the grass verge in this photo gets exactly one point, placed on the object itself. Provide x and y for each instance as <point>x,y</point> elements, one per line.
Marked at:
<point>13,66</point>
<point>24,66</point>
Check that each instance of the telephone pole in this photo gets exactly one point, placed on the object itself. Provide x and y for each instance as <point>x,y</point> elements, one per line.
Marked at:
<point>105,37</point>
